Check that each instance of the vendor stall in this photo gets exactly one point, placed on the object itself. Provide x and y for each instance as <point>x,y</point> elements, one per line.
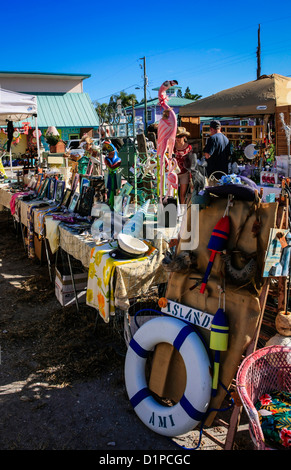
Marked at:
<point>55,214</point>
<point>222,295</point>
<point>15,107</point>
<point>267,101</point>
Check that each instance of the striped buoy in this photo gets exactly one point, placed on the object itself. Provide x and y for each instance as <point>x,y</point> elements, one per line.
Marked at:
<point>192,407</point>
<point>217,243</point>
<point>218,342</point>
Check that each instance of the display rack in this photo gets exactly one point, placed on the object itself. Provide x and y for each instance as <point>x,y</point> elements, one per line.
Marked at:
<point>249,134</point>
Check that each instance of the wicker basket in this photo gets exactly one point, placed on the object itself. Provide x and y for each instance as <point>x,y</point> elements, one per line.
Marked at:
<point>266,370</point>
<point>214,178</point>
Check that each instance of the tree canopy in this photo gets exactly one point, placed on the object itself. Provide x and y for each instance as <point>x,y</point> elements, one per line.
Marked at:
<point>191,96</point>
<point>123,99</point>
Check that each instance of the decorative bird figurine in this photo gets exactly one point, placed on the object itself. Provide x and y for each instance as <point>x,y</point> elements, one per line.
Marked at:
<point>167,130</point>
<point>172,178</point>
<point>112,161</point>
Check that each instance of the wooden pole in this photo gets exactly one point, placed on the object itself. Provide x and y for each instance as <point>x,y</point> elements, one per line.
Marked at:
<point>259,53</point>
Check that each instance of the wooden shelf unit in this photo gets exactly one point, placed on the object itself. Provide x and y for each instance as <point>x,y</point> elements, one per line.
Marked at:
<point>250,134</point>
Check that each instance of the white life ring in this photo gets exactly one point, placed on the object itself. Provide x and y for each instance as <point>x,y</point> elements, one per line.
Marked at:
<point>191,409</point>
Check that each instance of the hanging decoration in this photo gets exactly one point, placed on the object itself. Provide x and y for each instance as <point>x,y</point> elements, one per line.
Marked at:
<point>167,130</point>
<point>10,131</point>
<point>34,133</point>
<point>16,137</point>
<point>16,133</point>
<point>217,242</point>
<point>218,340</point>
<point>26,126</point>
<point>2,169</point>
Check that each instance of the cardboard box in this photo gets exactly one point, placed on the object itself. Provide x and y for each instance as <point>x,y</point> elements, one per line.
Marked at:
<point>39,248</point>
<point>168,373</point>
<point>64,290</point>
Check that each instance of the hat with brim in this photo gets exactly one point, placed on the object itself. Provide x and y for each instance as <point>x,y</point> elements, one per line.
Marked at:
<point>182,132</point>
<point>131,245</point>
<point>247,191</point>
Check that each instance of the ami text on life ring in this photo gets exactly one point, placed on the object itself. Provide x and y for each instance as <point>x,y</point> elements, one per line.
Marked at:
<point>191,409</point>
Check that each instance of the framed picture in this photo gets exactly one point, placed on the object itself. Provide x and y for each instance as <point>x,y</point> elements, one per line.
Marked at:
<point>44,188</point>
<point>59,192</point>
<point>75,182</point>
<point>74,202</point>
<point>51,189</point>
<point>277,257</point>
<point>86,201</point>
<point>118,200</point>
<point>84,182</point>
<point>66,197</point>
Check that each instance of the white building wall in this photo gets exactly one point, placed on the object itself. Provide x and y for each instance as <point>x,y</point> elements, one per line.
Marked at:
<point>33,84</point>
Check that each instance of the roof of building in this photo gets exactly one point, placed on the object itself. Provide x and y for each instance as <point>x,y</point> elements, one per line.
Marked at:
<point>173,101</point>
<point>45,74</point>
<point>172,88</point>
<point>65,110</point>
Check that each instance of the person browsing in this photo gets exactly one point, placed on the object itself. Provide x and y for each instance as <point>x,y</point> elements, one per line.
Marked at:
<point>181,150</point>
<point>216,150</point>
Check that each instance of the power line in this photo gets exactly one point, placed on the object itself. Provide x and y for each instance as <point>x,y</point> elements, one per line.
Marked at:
<point>116,92</point>
<point>215,65</point>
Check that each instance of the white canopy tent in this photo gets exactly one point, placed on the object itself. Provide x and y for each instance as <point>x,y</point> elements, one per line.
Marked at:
<point>15,107</point>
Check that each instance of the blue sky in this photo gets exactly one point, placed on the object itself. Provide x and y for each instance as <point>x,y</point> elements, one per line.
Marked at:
<point>205,46</point>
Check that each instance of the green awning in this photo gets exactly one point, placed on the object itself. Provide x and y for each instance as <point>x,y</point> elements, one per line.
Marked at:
<point>65,110</point>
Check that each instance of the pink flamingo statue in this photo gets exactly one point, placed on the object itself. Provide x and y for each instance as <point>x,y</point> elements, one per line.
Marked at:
<point>172,179</point>
<point>167,130</point>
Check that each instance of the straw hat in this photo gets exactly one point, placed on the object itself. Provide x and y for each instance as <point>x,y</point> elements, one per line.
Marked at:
<point>181,132</point>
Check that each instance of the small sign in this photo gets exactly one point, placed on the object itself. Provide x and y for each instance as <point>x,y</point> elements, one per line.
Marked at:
<point>188,314</point>
<point>261,107</point>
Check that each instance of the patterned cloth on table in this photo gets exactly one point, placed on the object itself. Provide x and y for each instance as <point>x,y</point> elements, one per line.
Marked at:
<point>30,232</point>
<point>39,218</point>
<point>100,286</point>
<point>274,411</point>
<point>31,228</point>
<point>13,200</point>
<point>52,233</point>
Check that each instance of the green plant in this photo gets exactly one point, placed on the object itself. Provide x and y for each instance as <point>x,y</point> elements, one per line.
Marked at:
<point>52,139</point>
<point>270,153</point>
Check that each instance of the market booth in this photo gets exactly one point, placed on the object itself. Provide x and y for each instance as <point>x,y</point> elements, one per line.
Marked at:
<point>217,261</point>
<point>267,101</point>
<point>224,287</point>
<point>15,107</point>
<point>264,98</point>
